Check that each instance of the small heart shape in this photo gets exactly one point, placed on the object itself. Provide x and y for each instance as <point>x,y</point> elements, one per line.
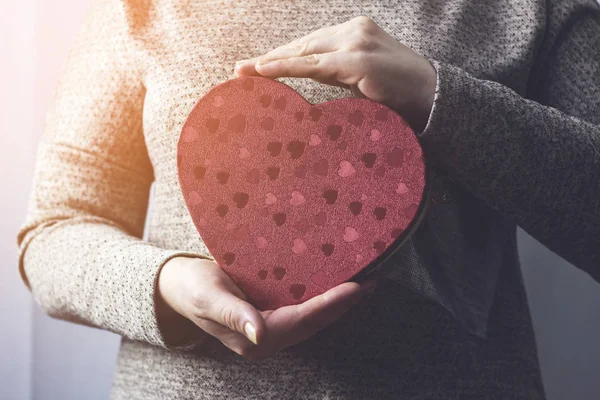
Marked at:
<point>380,213</point>
<point>296,148</point>
<point>327,249</point>
<point>375,135</point>
<point>299,246</point>
<point>218,102</point>
<point>270,199</point>
<point>261,242</point>
<point>279,273</point>
<point>222,210</point>
<point>402,188</point>
<point>369,159</point>
<point>395,158</point>
<point>330,196</point>
<point>315,113</point>
<point>355,207</point>
<point>334,132</point>
<point>223,177</point>
<point>346,169</point>
<point>244,153</point>
<point>274,148</point>
<point>273,172</point>
<point>212,124</point>
<point>279,218</point>
<point>379,246</point>
<point>315,140</point>
<point>297,290</point>
<point>297,198</point>
<point>350,234</point>
<point>241,199</point>
<point>190,134</point>
<point>194,199</point>
<point>228,258</point>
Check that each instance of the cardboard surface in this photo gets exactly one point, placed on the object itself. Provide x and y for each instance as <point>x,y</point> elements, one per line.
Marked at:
<point>291,198</point>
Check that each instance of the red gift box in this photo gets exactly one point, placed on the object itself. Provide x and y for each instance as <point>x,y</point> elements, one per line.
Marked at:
<point>293,198</point>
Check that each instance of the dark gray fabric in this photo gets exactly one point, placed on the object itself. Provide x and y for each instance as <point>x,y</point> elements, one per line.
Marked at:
<point>508,160</point>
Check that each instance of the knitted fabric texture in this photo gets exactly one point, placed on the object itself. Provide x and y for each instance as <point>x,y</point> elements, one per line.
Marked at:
<point>514,132</point>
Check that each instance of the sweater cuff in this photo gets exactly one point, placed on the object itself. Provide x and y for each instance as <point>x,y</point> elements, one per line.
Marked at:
<point>463,280</point>
<point>100,277</point>
<point>189,334</point>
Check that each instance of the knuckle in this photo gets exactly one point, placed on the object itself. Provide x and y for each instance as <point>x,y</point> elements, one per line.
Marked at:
<point>302,48</point>
<point>200,301</point>
<point>363,20</point>
<point>312,59</point>
<point>227,317</point>
<point>363,43</point>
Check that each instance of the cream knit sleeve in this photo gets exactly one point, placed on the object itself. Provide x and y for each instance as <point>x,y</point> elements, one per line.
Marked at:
<point>80,251</point>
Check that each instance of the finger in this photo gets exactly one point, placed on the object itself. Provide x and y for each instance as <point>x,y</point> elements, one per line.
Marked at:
<point>333,67</point>
<point>221,302</point>
<point>294,324</point>
<point>303,48</point>
<point>246,67</point>
<point>233,340</point>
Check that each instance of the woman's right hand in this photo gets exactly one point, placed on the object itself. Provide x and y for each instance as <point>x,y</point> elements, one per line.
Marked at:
<point>199,290</point>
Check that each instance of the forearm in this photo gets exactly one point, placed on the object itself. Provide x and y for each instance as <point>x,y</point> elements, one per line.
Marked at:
<point>88,271</point>
<point>534,164</point>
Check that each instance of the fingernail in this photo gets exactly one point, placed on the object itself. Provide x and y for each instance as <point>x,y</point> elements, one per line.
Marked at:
<point>250,331</point>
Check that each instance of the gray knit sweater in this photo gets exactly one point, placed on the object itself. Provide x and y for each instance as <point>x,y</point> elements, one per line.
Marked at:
<point>514,134</point>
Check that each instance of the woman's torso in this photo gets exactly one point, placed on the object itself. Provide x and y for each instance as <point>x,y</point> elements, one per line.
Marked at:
<point>395,344</point>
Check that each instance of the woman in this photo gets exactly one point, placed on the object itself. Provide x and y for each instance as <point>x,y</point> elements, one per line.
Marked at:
<point>505,101</point>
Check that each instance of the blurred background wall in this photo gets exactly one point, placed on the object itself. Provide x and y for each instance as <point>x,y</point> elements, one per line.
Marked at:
<point>45,359</point>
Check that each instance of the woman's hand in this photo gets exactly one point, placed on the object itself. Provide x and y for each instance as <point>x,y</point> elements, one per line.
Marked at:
<point>362,57</point>
<point>199,290</point>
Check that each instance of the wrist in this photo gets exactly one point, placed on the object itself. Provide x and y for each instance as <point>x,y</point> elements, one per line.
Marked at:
<point>424,95</point>
<point>175,327</point>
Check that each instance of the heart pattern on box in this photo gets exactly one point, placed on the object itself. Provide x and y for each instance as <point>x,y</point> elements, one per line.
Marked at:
<point>293,198</point>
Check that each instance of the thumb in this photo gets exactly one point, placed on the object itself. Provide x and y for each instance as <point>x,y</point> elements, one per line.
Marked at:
<point>236,313</point>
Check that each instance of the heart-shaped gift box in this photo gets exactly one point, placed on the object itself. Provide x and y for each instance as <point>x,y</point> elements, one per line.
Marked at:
<point>293,198</point>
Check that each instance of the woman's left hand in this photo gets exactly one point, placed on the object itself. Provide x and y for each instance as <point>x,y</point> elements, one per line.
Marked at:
<point>360,56</point>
